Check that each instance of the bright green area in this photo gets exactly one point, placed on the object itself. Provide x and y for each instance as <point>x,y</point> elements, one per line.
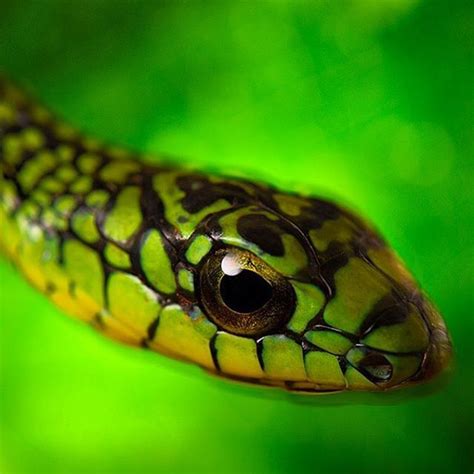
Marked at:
<point>156,263</point>
<point>186,279</point>
<point>66,173</point>
<point>366,100</point>
<point>294,258</point>
<point>87,163</point>
<point>82,185</point>
<point>84,225</point>
<point>131,302</point>
<point>330,341</point>
<point>283,358</point>
<point>309,301</point>
<point>116,256</point>
<point>125,218</point>
<point>97,198</point>
<point>324,369</point>
<point>237,355</point>
<point>34,170</point>
<point>84,269</point>
<point>117,172</point>
<point>198,248</point>
<point>410,335</point>
<point>171,195</point>
<point>359,287</point>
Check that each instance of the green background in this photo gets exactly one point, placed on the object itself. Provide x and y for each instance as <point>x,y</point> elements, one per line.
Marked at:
<point>368,101</point>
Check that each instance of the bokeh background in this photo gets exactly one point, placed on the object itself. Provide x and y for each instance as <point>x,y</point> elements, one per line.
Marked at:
<point>366,100</point>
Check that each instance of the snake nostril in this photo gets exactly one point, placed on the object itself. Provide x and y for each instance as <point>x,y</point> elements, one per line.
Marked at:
<point>377,367</point>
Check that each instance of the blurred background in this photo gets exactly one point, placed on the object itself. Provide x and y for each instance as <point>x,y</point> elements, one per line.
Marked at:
<point>369,101</point>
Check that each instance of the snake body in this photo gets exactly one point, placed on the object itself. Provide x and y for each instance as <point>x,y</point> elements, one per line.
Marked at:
<point>246,281</point>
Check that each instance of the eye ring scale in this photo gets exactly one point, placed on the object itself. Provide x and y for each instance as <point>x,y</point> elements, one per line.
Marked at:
<point>243,295</point>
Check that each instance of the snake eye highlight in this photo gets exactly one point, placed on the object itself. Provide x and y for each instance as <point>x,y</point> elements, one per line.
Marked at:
<point>244,295</point>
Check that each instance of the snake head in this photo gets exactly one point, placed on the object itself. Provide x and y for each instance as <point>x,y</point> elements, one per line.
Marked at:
<point>248,282</point>
<point>303,295</point>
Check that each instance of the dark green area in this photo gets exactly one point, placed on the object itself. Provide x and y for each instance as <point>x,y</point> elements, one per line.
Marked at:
<point>369,101</point>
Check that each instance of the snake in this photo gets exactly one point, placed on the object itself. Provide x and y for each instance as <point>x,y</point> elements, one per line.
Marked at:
<point>247,281</point>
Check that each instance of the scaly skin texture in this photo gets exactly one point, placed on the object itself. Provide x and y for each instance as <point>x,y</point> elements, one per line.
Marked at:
<point>131,248</point>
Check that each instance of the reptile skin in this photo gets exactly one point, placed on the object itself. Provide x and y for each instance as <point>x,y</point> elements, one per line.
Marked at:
<point>249,282</point>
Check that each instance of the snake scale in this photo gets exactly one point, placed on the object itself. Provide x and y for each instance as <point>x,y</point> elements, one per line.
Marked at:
<point>247,281</point>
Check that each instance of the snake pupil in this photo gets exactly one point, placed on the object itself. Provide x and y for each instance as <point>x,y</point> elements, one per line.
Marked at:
<point>245,292</point>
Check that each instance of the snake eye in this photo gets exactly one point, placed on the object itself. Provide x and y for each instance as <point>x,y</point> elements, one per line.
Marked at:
<point>244,295</point>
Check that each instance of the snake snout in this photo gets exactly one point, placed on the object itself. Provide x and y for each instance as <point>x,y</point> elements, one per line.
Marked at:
<point>408,344</point>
